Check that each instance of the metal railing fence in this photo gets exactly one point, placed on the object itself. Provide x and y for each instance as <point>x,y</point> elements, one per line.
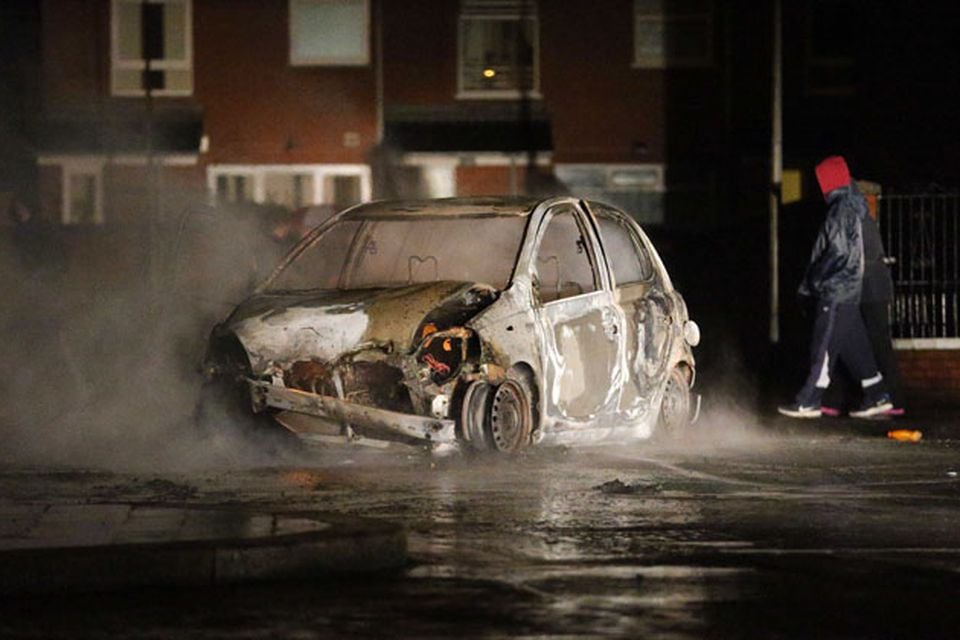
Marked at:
<point>922,237</point>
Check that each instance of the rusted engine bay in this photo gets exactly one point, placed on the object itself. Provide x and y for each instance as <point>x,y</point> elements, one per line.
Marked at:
<point>375,384</point>
<point>392,368</point>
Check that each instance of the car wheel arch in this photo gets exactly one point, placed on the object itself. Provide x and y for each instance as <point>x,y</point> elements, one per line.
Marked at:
<point>526,371</point>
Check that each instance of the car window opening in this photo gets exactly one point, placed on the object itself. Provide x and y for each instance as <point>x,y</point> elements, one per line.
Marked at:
<point>378,253</point>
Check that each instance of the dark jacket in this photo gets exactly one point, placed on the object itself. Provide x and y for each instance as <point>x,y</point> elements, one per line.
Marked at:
<point>835,270</point>
<point>877,282</point>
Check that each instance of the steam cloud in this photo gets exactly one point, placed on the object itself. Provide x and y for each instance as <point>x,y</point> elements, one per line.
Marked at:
<point>102,356</point>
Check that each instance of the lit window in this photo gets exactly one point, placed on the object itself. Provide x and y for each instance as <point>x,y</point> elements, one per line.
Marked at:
<point>330,32</point>
<point>82,193</point>
<point>672,33</point>
<point>158,31</point>
<point>498,48</point>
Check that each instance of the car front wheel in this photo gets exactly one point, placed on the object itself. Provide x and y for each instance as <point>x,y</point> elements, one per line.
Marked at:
<point>511,416</point>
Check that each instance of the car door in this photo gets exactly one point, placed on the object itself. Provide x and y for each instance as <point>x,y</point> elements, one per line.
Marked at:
<point>644,304</point>
<point>580,323</point>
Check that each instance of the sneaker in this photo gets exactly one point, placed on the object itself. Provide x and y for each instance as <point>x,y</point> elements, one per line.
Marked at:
<point>797,410</point>
<point>880,406</point>
<point>830,412</point>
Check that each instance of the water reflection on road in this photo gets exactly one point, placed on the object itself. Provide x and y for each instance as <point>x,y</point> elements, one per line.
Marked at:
<point>790,536</point>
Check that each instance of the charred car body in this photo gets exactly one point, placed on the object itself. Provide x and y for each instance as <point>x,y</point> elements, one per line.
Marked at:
<point>497,323</point>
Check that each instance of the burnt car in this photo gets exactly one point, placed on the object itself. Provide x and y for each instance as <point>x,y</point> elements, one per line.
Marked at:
<point>494,323</point>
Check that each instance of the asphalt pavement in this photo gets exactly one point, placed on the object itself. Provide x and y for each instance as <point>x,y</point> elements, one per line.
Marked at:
<point>84,547</point>
<point>107,546</point>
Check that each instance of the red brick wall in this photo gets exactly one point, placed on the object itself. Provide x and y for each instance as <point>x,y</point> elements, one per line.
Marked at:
<point>599,112</point>
<point>260,109</point>
<point>930,370</point>
<point>488,181</point>
<point>76,50</point>
<point>420,51</point>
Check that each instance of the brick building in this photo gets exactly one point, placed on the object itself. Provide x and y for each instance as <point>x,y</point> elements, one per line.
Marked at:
<point>296,102</point>
<point>145,108</point>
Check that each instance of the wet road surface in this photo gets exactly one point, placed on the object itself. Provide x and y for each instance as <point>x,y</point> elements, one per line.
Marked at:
<point>755,534</point>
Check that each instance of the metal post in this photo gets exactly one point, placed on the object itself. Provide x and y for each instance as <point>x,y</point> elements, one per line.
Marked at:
<point>154,257</point>
<point>776,176</point>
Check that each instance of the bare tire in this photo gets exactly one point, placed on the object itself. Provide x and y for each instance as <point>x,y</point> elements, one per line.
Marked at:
<point>510,421</point>
<point>474,411</point>
<point>676,405</point>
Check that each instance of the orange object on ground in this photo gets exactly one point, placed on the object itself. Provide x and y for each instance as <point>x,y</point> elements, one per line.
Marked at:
<point>905,435</point>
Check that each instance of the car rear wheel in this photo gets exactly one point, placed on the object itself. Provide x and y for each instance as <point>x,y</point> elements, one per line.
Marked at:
<point>510,420</point>
<point>676,405</point>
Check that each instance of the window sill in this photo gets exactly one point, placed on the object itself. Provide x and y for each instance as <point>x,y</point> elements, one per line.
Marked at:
<point>498,95</point>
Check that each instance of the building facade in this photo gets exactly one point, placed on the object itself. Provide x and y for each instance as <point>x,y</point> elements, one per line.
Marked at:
<point>298,102</point>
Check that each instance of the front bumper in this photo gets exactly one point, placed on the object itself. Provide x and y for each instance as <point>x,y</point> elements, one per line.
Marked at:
<point>266,394</point>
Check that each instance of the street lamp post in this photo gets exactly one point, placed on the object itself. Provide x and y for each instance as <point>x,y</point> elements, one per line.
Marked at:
<point>776,172</point>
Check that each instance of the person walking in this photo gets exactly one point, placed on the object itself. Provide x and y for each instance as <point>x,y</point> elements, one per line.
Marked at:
<point>834,279</point>
<point>875,300</point>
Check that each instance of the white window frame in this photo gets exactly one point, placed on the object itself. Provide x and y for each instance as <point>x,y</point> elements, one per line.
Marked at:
<point>357,61</point>
<point>504,14</point>
<point>159,65</point>
<point>664,19</point>
<point>81,165</point>
<point>319,172</point>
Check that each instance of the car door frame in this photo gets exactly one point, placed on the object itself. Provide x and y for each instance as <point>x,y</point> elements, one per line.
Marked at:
<point>648,306</point>
<point>601,303</point>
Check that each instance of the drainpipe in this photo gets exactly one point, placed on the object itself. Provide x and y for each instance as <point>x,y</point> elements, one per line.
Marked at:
<point>776,173</point>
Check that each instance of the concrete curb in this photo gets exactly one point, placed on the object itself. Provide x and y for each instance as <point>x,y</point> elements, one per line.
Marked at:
<point>216,547</point>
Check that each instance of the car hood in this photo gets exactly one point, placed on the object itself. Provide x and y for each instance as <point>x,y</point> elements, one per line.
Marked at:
<point>324,325</point>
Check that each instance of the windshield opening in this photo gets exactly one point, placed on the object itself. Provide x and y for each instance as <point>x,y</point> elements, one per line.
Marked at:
<point>358,254</point>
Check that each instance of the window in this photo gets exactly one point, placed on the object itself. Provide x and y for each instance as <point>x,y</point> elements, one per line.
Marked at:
<point>672,33</point>
<point>288,189</point>
<point>343,190</point>
<point>237,187</point>
<point>563,265</point>
<point>156,30</point>
<point>330,32</point>
<point>291,186</point>
<point>498,48</point>
<point>831,63</point>
<point>627,256</point>
<point>82,193</point>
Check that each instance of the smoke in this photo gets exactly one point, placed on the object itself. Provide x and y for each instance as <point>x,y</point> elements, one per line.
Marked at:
<point>105,332</point>
<point>730,417</point>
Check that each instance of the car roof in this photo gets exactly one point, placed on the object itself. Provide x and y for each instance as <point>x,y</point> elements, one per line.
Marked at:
<point>481,207</point>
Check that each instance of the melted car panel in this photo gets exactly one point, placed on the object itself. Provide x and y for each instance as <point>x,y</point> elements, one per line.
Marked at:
<point>392,320</point>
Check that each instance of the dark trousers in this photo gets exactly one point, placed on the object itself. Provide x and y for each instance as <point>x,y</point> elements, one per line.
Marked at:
<point>876,318</point>
<point>839,335</point>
